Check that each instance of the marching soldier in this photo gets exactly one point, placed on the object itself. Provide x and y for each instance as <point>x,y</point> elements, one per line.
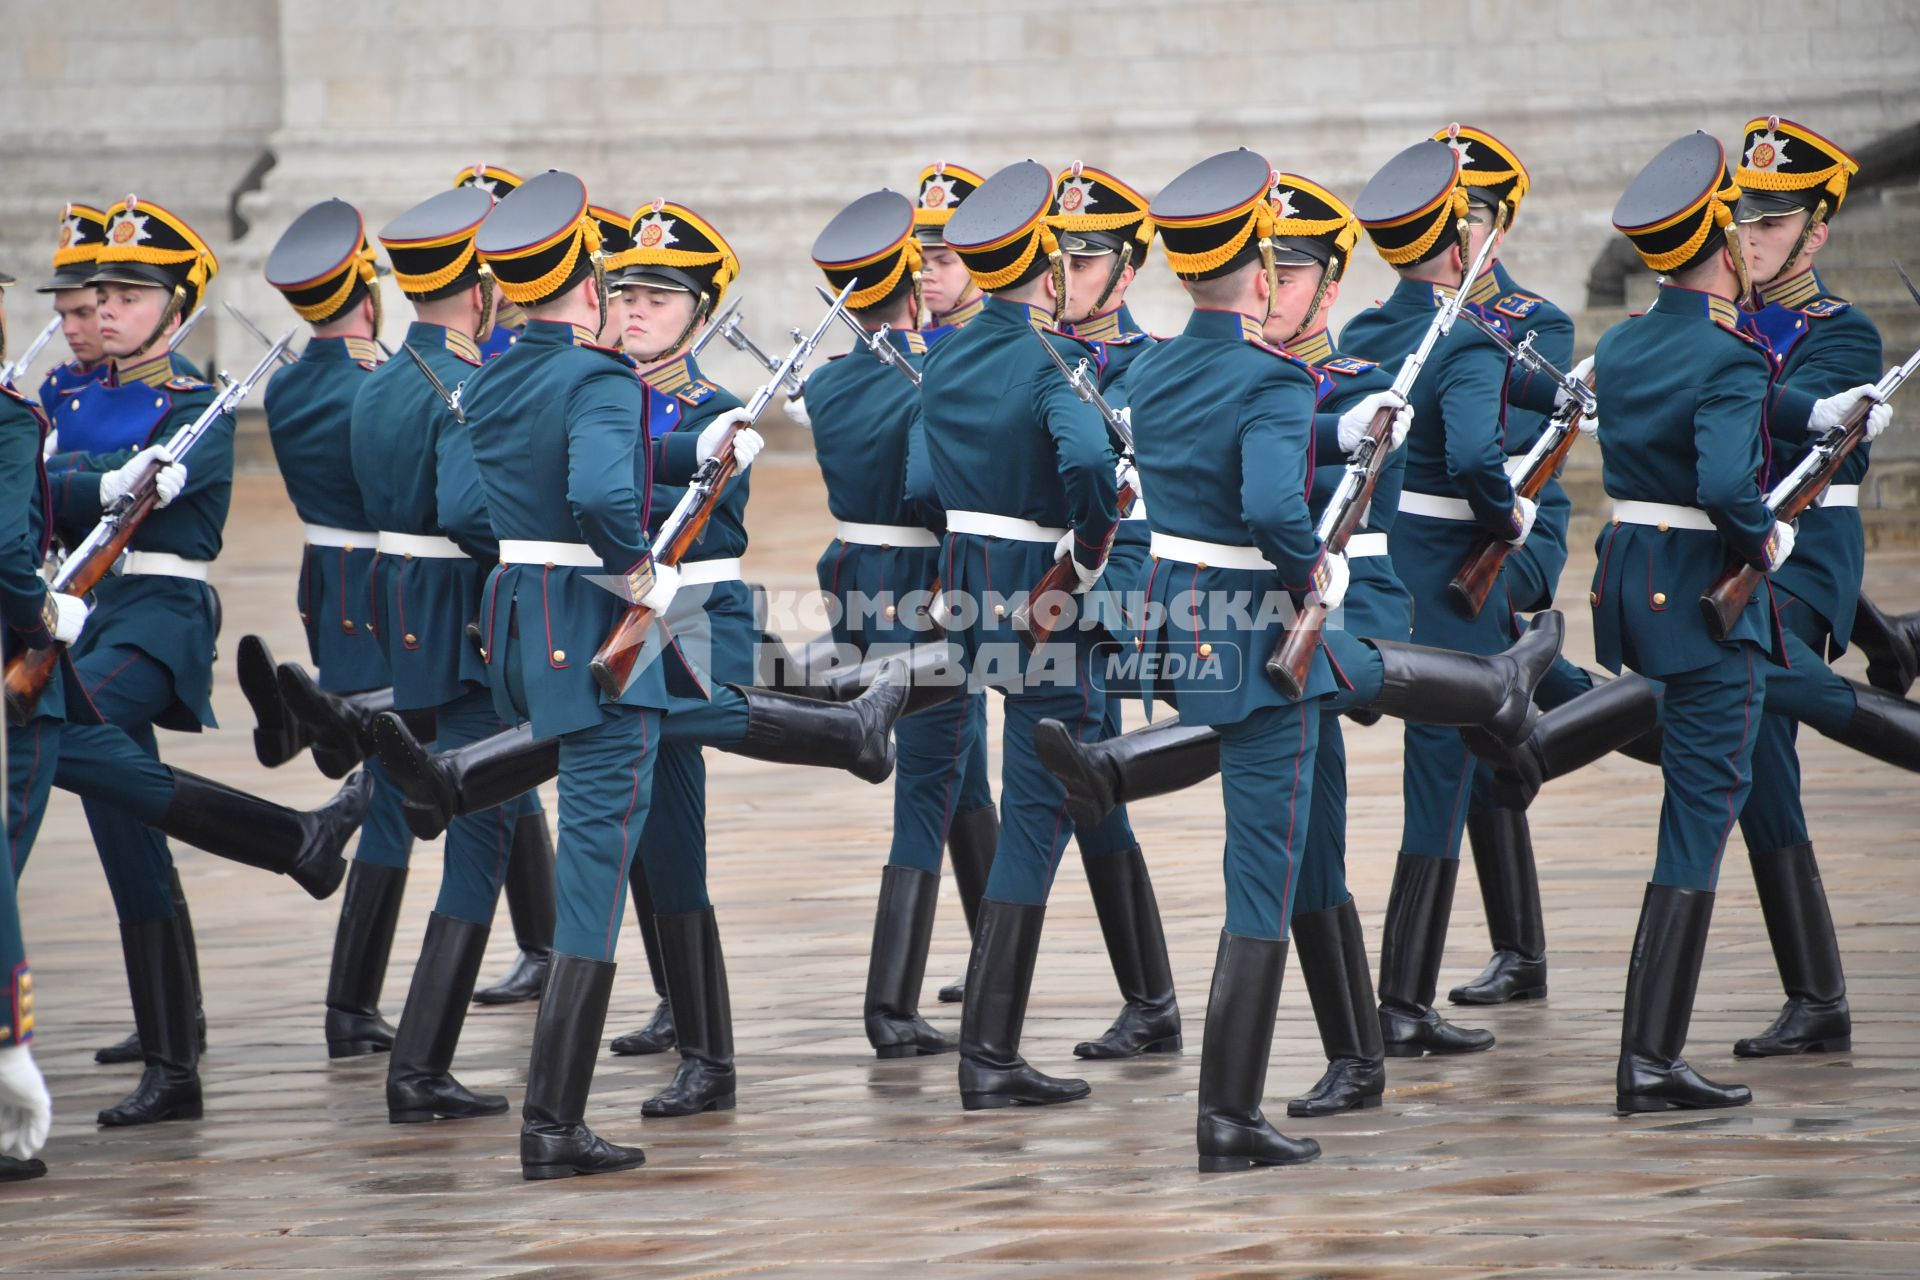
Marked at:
<point>146,661</point>
<point>1104,235</point>
<point>76,301</point>
<point>1214,409</point>
<point>325,268</point>
<point>1023,470</point>
<point>1422,222</point>
<point>951,299</point>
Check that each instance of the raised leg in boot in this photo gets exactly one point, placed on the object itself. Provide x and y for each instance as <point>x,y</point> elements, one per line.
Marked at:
<point>304,845</point>
<point>277,735</point>
<point>703,1017</point>
<point>420,1082</point>
<point>530,905</point>
<point>1891,643</point>
<point>897,965</point>
<point>1231,1133</point>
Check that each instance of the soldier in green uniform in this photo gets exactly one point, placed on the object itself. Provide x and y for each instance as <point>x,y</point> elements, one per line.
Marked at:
<point>325,268</point>
<point>1024,473</point>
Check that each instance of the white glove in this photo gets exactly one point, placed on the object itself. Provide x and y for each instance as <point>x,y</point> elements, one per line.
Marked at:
<point>1529,510</point>
<point>1561,395</point>
<point>1355,421</point>
<point>26,1110</point>
<point>172,477</point>
<point>1827,413</point>
<point>1779,546</point>
<point>666,584</point>
<point>797,410</point>
<point>1063,550</point>
<point>1330,578</point>
<point>52,445</point>
<point>746,445</point>
<point>71,612</point>
<point>1127,475</point>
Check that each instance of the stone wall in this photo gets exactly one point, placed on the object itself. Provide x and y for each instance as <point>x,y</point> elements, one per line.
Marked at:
<point>768,116</point>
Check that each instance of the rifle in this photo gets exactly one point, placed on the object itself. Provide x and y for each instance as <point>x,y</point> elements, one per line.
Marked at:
<point>1058,582</point>
<point>27,674</point>
<point>613,662</point>
<point>17,370</point>
<point>725,319</point>
<point>180,334</point>
<point>451,398</point>
<point>1473,583</point>
<point>1727,598</point>
<point>875,340</point>
<point>1293,657</point>
<point>286,357</point>
<point>730,328</point>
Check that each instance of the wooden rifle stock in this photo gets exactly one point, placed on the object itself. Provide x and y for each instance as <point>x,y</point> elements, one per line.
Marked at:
<point>1292,659</point>
<point>28,673</point>
<point>613,661</point>
<point>1055,590</point>
<point>1727,598</point>
<point>1473,582</point>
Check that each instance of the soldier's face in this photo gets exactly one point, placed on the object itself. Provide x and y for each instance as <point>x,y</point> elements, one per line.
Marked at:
<point>652,319</point>
<point>1766,242</point>
<point>1086,277</point>
<point>79,311</point>
<point>943,279</point>
<point>127,313</point>
<point>1294,287</point>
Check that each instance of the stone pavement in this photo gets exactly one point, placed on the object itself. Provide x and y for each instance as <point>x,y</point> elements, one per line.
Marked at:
<point>836,1165</point>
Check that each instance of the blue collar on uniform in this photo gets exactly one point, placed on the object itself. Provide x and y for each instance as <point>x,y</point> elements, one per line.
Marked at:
<point>554,333</point>
<point>1207,323</point>
<point>428,337</point>
<point>1673,300</point>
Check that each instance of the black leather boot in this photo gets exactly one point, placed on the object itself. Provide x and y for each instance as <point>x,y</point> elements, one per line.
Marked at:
<point>1156,759</point>
<point>303,844</point>
<point>1665,973</point>
<point>12,1170</point>
<point>554,1139</point>
<point>1443,686</point>
<point>1137,946</point>
<point>934,676</point>
<point>856,736</point>
<point>362,944</point>
<point>971,839</point>
<point>897,965</point>
<point>1621,714</point>
<point>441,786</point>
<point>162,991</point>
<point>420,1083</point>
<point>530,905</point>
<point>1333,963</point>
<point>1510,891</point>
<point>1884,727</point>
<point>340,726</point>
<point>1231,1133</point>
<point>277,736</point>
<point>1891,643</point>
<point>1006,942</point>
<point>128,1049</point>
<point>1800,927</point>
<point>1411,947</point>
<point>657,1035</point>
<point>702,1017</point>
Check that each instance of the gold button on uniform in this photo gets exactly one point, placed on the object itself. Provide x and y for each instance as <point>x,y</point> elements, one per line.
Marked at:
<point>890,611</point>
<point>346,625</point>
<point>1659,597</point>
<point>483,656</point>
<point>1206,651</point>
<point>1662,526</point>
<point>559,655</point>
<point>999,611</point>
<point>412,638</point>
<point>1593,597</point>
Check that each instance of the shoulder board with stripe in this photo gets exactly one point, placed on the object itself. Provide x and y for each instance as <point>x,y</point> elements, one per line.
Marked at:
<point>1348,365</point>
<point>1492,317</point>
<point>1517,305</point>
<point>1723,313</point>
<point>1822,308</point>
<point>186,384</point>
<point>14,393</point>
<point>697,391</point>
<point>1097,351</point>
<point>1288,356</point>
<point>462,346</point>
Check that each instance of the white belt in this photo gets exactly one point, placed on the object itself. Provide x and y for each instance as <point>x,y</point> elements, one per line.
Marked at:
<point>163,564</point>
<point>1435,507</point>
<point>575,555</point>
<point>1840,495</point>
<point>856,534</point>
<point>1362,545</point>
<point>322,535</point>
<point>1661,515</point>
<point>421,546</point>
<point>1207,555</point>
<point>696,573</point>
<point>988,525</point>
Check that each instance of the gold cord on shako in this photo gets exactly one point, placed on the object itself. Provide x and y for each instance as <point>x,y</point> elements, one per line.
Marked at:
<point>1787,168</point>
<point>1097,215</point>
<point>148,246</point>
<point>674,248</point>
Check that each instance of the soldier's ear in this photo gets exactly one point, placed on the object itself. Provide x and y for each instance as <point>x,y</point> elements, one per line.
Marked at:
<point>1816,237</point>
